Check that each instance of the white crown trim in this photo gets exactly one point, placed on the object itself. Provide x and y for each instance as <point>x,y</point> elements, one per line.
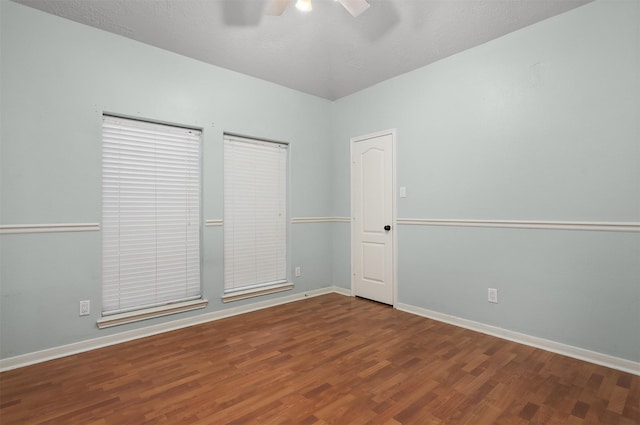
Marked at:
<point>6,229</point>
<point>525,224</point>
<point>300,220</point>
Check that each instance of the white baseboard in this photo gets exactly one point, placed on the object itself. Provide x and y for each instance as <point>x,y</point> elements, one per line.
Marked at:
<point>544,344</point>
<point>342,291</point>
<point>92,344</point>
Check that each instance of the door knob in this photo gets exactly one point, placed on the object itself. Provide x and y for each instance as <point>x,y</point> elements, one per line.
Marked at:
<point>387,227</point>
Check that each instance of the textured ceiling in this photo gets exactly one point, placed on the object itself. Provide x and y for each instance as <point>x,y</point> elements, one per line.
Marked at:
<point>326,52</point>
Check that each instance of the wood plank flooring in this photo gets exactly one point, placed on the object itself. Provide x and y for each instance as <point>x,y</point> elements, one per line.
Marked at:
<point>325,360</point>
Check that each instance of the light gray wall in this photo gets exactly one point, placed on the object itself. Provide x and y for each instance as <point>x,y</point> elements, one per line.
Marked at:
<point>538,125</point>
<point>57,79</point>
<point>542,124</point>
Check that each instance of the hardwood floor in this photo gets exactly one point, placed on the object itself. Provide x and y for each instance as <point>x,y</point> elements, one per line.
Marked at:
<point>326,360</point>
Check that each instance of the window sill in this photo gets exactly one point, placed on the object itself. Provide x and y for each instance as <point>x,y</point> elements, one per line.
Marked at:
<point>249,293</point>
<point>149,313</point>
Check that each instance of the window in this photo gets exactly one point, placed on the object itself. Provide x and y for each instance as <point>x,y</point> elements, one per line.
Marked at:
<point>255,217</point>
<point>150,220</point>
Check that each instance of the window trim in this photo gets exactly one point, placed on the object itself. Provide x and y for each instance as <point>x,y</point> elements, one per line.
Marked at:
<point>194,302</point>
<point>150,313</point>
<point>284,283</point>
<point>256,292</point>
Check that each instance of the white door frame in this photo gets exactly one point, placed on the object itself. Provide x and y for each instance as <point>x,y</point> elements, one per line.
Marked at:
<point>394,224</point>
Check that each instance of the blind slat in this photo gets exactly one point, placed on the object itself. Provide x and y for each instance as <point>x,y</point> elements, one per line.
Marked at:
<point>255,211</point>
<point>151,214</point>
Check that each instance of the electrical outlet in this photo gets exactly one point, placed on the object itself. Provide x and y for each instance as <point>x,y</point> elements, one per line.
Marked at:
<point>298,272</point>
<point>85,308</point>
<point>492,296</point>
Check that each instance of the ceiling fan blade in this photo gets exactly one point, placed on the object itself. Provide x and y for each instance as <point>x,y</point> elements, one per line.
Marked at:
<point>276,7</point>
<point>355,7</point>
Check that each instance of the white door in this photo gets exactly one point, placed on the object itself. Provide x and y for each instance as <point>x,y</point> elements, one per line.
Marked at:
<point>372,225</point>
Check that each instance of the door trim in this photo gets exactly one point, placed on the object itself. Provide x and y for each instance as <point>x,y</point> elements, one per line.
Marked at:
<point>394,224</point>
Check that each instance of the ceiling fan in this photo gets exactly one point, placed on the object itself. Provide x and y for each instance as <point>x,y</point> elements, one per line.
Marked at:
<point>277,7</point>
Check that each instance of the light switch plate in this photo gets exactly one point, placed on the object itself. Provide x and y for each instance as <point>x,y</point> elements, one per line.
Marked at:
<point>492,295</point>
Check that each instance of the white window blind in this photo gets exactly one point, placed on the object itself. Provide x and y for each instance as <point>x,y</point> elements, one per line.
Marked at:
<point>255,213</point>
<point>150,215</point>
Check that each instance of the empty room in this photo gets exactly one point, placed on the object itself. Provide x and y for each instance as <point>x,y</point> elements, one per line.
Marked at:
<point>320,212</point>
